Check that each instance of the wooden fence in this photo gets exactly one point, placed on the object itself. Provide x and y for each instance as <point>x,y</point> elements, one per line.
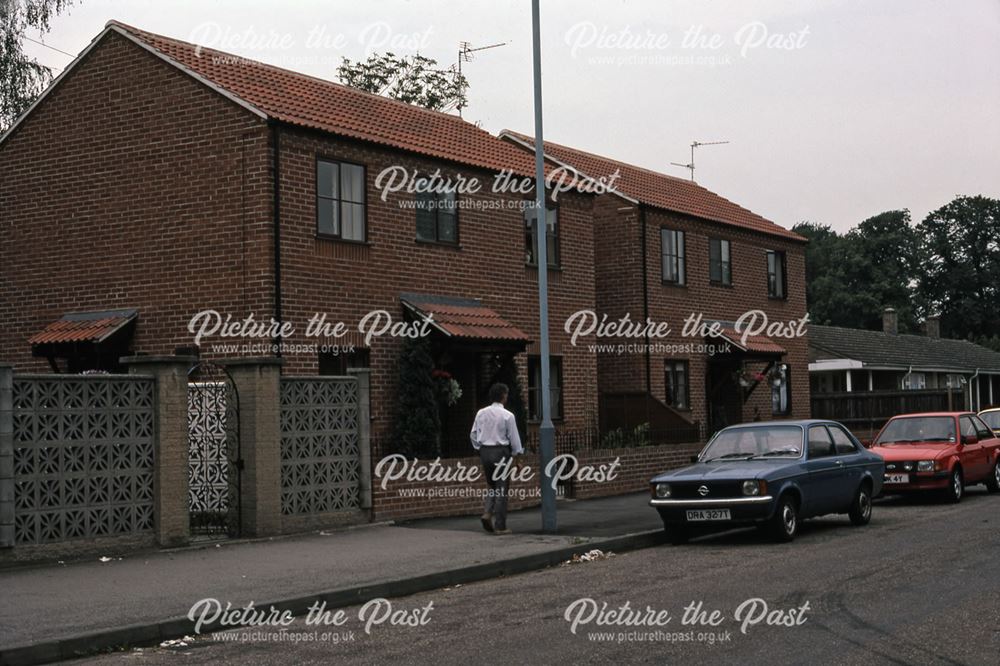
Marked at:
<point>865,412</point>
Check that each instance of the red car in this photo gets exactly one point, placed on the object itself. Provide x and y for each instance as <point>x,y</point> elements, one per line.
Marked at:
<point>940,451</point>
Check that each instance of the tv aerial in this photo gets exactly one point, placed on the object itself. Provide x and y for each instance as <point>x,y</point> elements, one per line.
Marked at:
<point>694,144</point>
<point>466,53</point>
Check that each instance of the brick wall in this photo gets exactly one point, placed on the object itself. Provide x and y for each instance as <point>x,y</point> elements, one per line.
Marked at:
<point>408,500</point>
<point>132,185</point>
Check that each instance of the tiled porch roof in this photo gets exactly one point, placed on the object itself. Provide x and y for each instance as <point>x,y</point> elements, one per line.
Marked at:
<point>464,318</point>
<point>83,327</point>
<point>757,344</point>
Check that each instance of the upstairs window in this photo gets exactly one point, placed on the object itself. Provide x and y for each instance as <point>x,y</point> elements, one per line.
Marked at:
<point>777,287</point>
<point>340,200</point>
<point>672,256</point>
<point>551,236</point>
<point>437,217</point>
<point>720,269</point>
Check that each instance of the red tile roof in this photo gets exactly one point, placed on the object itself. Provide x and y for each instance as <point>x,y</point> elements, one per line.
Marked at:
<point>660,190</point>
<point>306,101</point>
<point>83,327</point>
<point>464,318</point>
<point>755,343</point>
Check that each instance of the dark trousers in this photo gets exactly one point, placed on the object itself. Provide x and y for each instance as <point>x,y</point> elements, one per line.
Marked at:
<point>496,494</point>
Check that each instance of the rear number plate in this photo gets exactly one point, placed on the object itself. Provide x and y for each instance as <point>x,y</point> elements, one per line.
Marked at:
<point>694,515</point>
<point>897,478</point>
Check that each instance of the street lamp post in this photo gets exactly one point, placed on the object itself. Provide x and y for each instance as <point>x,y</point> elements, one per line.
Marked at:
<point>546,431</point>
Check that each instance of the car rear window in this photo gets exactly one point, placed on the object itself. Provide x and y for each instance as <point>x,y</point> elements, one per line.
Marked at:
<point>843,443</point>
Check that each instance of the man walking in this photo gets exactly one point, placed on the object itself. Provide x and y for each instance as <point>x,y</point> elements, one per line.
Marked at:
<point>494,435</point>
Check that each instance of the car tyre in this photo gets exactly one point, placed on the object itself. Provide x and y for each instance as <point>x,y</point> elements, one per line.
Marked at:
<point>993,481</point>
<point>956,486</point>
<point>784,524</point>
<point>861,508</point>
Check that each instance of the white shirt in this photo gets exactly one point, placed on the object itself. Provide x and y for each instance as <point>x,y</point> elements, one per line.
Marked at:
<point>496,426</point>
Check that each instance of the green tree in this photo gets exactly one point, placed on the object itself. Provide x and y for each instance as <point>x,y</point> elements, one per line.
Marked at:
<point>826,288</point>
<point>883,259</point>
<point>960,275</point>
<point>417,430</point>
<point>851,278</point>
<point>22,78</point>
<point>412,79</point>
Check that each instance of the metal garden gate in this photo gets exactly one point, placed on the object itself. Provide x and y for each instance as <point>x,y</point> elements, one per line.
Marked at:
<point>214,462</point>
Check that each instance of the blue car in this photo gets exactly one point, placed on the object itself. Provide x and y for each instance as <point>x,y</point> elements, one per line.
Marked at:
<point>773,475</point>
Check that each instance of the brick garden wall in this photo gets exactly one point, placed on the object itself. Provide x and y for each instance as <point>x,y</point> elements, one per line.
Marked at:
<point>637,467</point>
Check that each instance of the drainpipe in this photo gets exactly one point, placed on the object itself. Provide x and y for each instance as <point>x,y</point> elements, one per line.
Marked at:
<point>975,378</point>
<point>276,174</point>
<point>645,293</point>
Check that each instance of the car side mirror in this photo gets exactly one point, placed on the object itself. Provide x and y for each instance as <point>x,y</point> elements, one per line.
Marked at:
<point>694,459</point>
<point>969,439</point>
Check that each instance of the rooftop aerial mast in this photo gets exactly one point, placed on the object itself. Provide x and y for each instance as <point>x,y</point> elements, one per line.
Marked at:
<point>694,144</point>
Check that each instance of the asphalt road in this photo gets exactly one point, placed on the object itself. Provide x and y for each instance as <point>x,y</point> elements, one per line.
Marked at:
<point>919,585</point>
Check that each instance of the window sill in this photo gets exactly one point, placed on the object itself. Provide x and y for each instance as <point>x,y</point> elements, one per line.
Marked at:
<point>444,244</point>
<point>675,285</point>
<point>777,298</point>
<point>534,267</point>
<point>345,241</point>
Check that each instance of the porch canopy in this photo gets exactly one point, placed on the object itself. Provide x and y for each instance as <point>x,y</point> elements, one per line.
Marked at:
<point>757,346</point>
<point>466,322</point>
<point>87,340</point>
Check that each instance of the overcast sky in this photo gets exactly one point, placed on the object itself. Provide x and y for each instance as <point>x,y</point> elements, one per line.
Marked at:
<point>856,107</point>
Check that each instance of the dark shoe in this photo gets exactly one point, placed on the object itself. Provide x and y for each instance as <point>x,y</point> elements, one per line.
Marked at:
<point>487,520</point>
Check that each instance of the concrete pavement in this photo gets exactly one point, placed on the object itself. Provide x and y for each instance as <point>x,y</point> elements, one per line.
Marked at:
<point>56,610</point>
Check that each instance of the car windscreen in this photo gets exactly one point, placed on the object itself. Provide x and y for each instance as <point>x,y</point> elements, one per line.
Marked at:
<point>992,419</point>
<point>918,429</point>
<point>751,442</point>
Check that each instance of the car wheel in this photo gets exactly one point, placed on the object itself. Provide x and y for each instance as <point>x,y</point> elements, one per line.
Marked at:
<point>785,522</point>
<point>993,481</point>
<point>861,507</point>
<point>956,487</point>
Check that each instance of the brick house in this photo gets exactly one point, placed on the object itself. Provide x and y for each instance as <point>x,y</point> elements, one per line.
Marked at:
<point>155,180</point>
<point>669,248</point>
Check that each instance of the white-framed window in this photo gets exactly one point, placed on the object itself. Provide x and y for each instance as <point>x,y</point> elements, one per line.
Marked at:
<point>915,380</point>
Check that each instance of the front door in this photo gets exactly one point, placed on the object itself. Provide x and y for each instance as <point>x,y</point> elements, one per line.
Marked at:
<point>724,399</point>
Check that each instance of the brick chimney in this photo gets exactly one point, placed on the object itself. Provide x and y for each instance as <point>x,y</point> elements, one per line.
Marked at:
<point>890,322</point>
<point>932,326</point>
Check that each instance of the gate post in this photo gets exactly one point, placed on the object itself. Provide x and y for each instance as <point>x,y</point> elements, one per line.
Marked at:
<point>363,377</point>
<point>6,456</point>
<point>258,381</point>
<point>170,412</point>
